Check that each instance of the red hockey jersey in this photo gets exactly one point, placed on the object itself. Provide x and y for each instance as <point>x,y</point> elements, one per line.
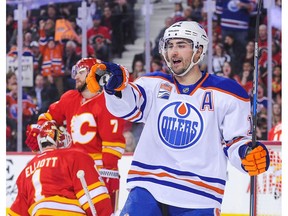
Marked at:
<point>90,124</point>
<point>49,185</point>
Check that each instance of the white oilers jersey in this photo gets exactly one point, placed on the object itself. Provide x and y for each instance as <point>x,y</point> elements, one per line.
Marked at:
<point>181,158</point>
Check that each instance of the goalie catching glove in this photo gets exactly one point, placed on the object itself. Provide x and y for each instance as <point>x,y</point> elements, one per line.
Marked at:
<point>254,160</point>
<point>117,81</point>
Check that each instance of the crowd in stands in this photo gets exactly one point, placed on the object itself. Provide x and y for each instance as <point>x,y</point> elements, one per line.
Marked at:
<point>112,26</point>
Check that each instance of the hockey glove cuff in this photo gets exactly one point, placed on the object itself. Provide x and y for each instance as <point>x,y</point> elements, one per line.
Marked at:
<point>119,77</point>
<point>254,161</point>
<point>91,81</point>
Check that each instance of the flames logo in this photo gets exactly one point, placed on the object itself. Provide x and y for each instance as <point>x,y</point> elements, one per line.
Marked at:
<point>180,125</point>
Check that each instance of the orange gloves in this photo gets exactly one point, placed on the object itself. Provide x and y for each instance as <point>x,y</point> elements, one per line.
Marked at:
<point>254,161</point>
<point>91,81</point>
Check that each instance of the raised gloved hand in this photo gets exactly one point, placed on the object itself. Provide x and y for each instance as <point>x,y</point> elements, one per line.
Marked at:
<point>91,80</point>
<point>32,132</point>
<point>118,80</point>
<point>255,161</point>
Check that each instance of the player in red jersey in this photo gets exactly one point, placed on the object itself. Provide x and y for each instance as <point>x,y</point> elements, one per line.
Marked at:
<point>49,185</point>
<point>90,124</point>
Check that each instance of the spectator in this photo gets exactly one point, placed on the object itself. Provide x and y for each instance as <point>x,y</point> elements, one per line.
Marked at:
<point>48,26</point>
<point>98,29</point>
<point>227,71</point>
<point>187,13</point>
<point>27,39</point>
<point>52,51</point>
<point>141,56</point>
<point>130,141</point>
<point>10,26</point>
<point>168,22</point>
<point>28,112</point>
<point>43,94</point>
<point>157,66</point>
<point>70,58</point>
<point>219,58</point>
<point>196,13</point>
<point>261,129</point>
<point>13,39</point>
<point>249,56</point>
<point>53,67</point>
<point>246,78</point>
<point>11,80</point>
<point>236,51</point>
<point>127,21</point>
<point>235,17</point>
<point>101,48</point>
<point>178,14</point>
<point>276,84</point>
<point>29,108</point>
<point>117,29</point>
<point>276,114</point>
<point>139,70</point>
<point>262,42</point>
<point>37,58</point>
<point>262,100</point>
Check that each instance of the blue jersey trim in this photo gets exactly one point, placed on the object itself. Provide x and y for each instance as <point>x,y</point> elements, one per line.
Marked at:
<point>177,172</point>
<point>225,84</point>
<point>168,77</point>
<point>178,186</point>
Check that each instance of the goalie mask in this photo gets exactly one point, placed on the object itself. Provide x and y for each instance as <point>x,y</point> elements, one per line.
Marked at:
<point>189,30</point>
<point>82,66</point>
<point>51,134</point>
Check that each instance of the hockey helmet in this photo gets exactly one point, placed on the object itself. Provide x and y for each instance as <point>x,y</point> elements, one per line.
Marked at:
<point>50,133</point>
<point>190,30</point>
<point>83,64</point>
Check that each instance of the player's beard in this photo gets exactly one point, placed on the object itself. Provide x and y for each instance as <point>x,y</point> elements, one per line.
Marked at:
<point>80,86</point>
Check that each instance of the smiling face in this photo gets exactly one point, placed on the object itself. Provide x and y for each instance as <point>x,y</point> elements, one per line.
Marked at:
<point>179,54</point>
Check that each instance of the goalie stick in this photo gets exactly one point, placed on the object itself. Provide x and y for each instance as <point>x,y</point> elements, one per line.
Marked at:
<point>253,180</point>
<point>80,175</point>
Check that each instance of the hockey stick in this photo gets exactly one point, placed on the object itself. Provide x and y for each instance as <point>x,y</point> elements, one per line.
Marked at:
<point>80,175</point>
<point>253,181</point>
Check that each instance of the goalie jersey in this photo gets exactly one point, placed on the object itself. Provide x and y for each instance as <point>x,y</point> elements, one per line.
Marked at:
<point>49,185</point>
<point>190,132</point>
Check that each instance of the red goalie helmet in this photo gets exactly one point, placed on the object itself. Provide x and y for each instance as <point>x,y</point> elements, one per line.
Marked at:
<point>83,64</point>
<point>51,134</point>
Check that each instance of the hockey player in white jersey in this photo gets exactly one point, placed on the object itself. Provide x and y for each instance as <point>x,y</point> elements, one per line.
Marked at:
<point>194,123</point>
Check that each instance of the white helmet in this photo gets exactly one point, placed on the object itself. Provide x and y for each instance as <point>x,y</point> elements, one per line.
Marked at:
<point>190,30</point>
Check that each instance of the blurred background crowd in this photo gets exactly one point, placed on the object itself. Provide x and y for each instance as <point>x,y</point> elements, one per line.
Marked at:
<point>111,26</point>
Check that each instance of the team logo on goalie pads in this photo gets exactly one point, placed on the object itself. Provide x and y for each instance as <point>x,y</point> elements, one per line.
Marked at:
<point>180,125</point>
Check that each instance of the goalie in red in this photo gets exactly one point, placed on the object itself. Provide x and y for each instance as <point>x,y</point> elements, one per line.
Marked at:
<point>48,185</point>
<point>91,126</point>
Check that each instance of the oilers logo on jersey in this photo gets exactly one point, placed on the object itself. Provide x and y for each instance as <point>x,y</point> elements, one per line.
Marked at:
<point>180,125</point>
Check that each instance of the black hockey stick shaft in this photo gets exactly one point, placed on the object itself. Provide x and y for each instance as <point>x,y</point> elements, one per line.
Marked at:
<point>253,181</point>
